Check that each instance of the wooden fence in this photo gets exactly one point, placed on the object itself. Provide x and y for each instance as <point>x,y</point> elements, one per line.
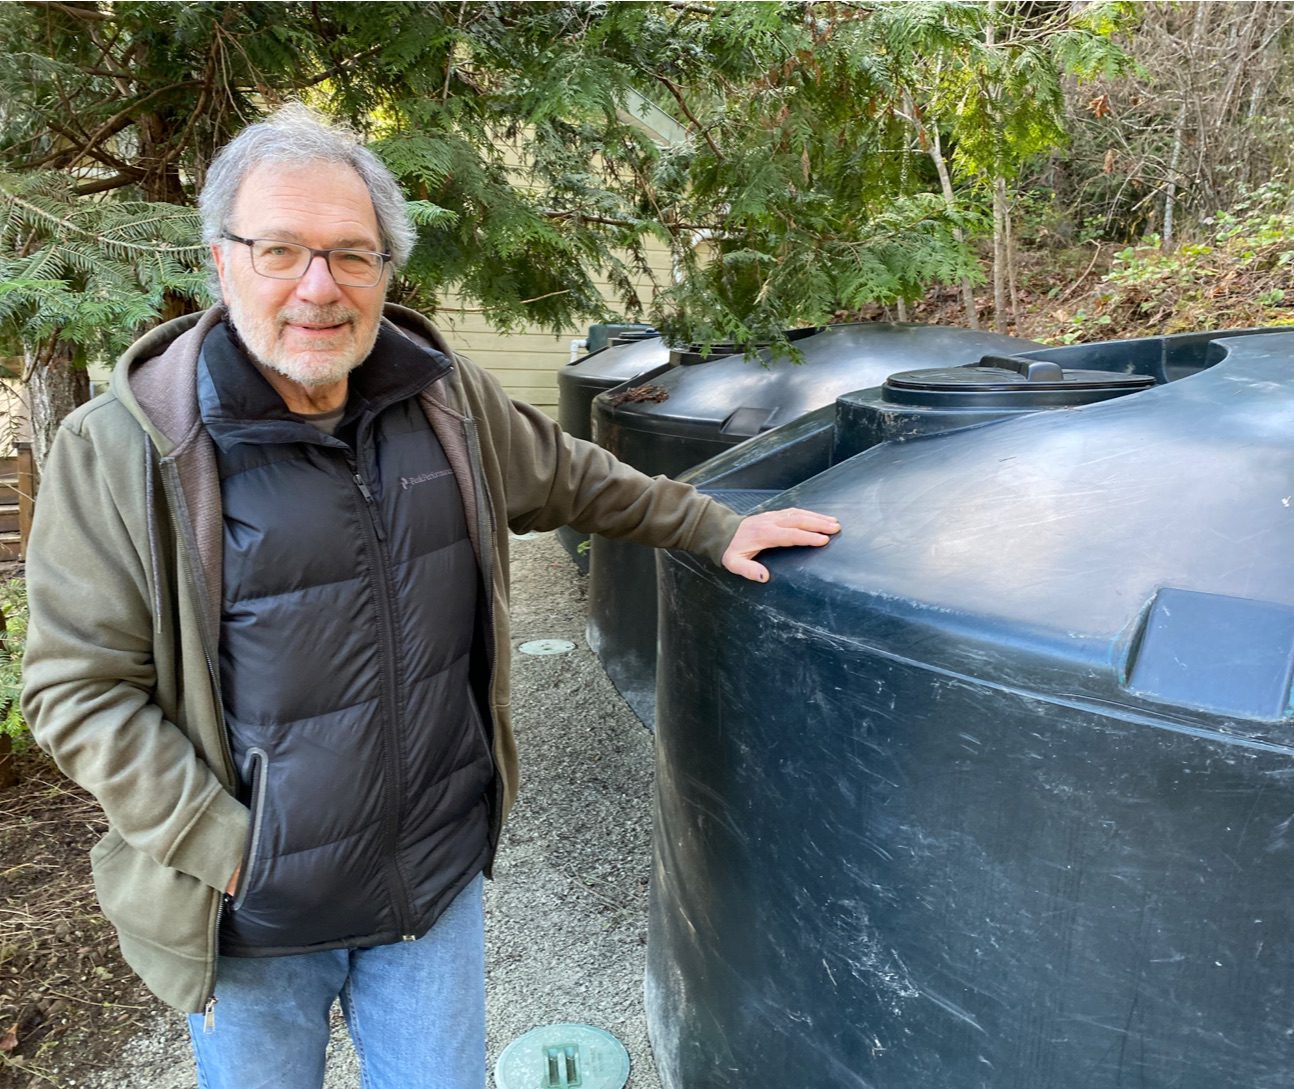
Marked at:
<point>17,501</point>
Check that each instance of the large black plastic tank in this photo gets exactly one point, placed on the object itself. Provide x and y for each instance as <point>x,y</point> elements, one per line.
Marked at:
<point>996,790</point>
<point>633,359</point>
<point>579,382</point>
<point>691,414</point>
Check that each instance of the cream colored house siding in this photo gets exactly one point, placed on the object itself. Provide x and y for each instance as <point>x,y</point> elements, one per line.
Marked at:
<point>527,361</point>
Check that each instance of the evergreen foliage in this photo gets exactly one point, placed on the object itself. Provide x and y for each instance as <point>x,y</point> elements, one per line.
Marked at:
<point>799,191</point>
<point>13,640</point>
<point>811,171</point>
<point>1004,103</point>
<point>89,273</point>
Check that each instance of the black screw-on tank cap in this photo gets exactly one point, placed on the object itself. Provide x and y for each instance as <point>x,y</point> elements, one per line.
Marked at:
<point>1016,382</point>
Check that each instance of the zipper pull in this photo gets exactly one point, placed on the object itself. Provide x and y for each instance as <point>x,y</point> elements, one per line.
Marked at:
<point>209,1016</point>
<point>372,504</point>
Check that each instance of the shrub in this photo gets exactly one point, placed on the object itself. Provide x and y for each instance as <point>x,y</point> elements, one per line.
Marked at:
<point>13,604</point>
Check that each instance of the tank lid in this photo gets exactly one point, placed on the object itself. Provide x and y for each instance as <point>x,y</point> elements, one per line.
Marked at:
<point>692,354</point>
<point>1015,380</point>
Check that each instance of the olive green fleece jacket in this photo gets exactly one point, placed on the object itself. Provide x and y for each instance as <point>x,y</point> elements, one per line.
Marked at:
<point>124,568</point>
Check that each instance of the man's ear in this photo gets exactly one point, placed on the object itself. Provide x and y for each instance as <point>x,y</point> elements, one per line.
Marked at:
<point>218,259</point>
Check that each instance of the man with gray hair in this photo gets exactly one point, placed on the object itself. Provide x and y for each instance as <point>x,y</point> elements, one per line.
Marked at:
<point>268,583</point>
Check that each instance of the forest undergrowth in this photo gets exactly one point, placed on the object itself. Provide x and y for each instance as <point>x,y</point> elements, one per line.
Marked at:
<point>1234,270</point>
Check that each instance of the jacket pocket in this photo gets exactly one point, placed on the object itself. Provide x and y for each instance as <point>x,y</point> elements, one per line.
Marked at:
<point>161,908</point>
<point>256,772</point>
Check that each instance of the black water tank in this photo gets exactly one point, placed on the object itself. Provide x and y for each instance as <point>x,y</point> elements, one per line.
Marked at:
<point>637,358</point>
<point>682,417</point>
<point>582,380</point>
<point>605,335</point>
<point>996,791</point>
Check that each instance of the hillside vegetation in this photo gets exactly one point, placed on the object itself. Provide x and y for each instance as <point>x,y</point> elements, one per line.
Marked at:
<point>1234,270</point>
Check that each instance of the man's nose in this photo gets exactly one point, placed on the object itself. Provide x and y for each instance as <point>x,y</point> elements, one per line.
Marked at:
<point>316,283</point>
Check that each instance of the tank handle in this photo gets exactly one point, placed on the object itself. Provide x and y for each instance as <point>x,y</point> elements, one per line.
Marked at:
<point>1033,370</point>
<point>747,421</point>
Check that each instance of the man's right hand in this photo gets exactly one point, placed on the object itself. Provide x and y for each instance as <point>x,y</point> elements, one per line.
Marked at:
<point>775,529</point>
<point>232,887</point>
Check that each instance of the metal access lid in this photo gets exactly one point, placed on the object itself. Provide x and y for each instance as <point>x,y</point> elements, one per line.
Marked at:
<point>565,1056</point>
<point>1011,381</point>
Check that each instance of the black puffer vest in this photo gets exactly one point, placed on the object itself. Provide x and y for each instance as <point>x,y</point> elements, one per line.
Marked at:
<point>350,611</point>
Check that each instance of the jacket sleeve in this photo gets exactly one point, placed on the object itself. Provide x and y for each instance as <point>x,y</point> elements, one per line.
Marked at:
<point>554,479</point>
<point>90,671</point>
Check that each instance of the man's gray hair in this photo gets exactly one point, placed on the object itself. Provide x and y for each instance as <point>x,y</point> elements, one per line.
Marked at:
<point>293,135</point>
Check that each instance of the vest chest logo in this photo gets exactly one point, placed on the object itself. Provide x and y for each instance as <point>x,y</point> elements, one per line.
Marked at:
<point>407,482</point>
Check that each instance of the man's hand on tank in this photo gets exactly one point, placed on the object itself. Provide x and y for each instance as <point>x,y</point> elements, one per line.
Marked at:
<point>775,529</point>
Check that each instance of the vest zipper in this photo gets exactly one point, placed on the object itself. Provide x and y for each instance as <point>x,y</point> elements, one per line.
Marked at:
<point>486,529</point>
<point>370,503</point>
<point>393,718</point>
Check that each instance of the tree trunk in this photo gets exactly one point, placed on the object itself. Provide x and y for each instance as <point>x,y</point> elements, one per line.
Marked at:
<point>1010,264</point>
<point>56,385</point>
<point>999,191</point>
<point>8,769</point>
<point>1170,191</point>
<point>1201,102</point>
<point>999,254</point>
<point>950,200</point>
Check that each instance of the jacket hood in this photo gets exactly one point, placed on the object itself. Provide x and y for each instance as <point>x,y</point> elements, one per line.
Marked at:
<point>156,377</point>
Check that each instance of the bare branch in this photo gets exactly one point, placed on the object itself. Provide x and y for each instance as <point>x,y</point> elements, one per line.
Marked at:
<point>74,10</point>
<point>103,185</point>
<point>524,302</point>
<point>608,221</point>
<point>682,105</point>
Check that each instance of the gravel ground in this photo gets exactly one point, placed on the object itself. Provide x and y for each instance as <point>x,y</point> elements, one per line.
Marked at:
<point>566,925</point>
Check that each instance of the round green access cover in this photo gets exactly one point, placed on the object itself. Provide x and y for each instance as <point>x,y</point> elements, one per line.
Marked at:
<point>558,1056</point>
<point>547,646</point>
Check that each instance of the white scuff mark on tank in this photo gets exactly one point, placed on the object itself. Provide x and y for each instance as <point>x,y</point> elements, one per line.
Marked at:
<point>953,1008</point>
<point>1277,840</point>
<point>877,849</point>
<point>866,957</point>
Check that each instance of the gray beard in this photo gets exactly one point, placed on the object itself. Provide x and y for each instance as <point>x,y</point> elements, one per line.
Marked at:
<point>260,344</point>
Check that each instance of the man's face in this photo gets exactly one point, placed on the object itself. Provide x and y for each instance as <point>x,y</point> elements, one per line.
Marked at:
<point>310,330</point>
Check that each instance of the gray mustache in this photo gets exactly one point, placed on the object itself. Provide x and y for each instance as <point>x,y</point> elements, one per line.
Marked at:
<point>324,315</point>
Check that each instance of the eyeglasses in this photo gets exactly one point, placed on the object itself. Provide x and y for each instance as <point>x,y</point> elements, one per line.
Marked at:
<point>289,261</point>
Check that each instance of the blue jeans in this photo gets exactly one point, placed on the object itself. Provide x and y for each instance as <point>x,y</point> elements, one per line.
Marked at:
<point>415,1010</point>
